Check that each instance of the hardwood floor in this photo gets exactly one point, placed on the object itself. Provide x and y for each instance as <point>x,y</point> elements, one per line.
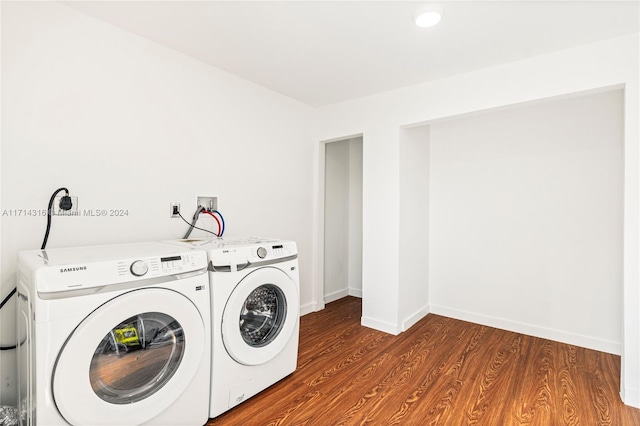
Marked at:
<point>440,372</point>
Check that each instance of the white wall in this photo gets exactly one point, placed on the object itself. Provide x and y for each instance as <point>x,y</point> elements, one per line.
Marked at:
<point>343,219</point>
<point>336,221</point>
<point>127,124</point>
<point>355,217</point>
<point>526,220</point>
<point>606,64</point>
<point>414,225</point>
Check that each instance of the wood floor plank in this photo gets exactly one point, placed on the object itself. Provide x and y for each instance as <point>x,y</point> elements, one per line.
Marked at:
<point>440,372</point>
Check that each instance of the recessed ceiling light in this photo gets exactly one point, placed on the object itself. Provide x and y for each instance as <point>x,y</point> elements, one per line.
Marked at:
<point>428,17</point>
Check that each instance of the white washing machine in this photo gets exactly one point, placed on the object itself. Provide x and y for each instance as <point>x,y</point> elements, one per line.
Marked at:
<point>255,291</point>
<point>114,335</point>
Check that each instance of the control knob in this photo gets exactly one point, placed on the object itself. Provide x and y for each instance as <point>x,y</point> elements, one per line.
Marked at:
<point>139,268</point>
<point>262,252</point>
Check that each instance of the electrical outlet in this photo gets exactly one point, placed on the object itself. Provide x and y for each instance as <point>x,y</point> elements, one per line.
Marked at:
<point>209,203</point>
<point>174,210</point>
<point>57,211</point>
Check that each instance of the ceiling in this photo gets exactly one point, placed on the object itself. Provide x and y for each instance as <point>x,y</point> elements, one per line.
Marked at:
<point>323,52</point>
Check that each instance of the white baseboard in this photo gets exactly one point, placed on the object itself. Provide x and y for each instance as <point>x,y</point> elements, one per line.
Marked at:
<point>328,298</point>
<point>630,397</point>
<point>413,319</point>
<point>531,330</point>
<point>383,326</point>
<point>355,292</point>
<point>310,307</point>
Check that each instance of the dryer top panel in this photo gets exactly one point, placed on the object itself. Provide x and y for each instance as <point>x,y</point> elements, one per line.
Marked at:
<point>225,242</point>
<point>240,250</point>
<point>59,270</point>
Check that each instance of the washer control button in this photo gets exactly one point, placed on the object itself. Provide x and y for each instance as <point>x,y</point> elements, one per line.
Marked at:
<point>262,252</point>
<point>139,268</point>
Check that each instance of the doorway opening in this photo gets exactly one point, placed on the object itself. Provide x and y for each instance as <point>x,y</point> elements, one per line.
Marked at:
<point>342,234</point>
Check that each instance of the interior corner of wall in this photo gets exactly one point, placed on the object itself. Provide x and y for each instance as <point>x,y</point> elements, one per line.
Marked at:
<point>413,319</point>
<point>630,397</point>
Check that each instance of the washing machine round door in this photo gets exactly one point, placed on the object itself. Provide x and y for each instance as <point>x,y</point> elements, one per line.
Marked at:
<point>260,316</point>
<point>129,359</point>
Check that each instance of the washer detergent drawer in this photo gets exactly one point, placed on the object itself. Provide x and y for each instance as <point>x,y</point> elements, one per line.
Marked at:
<point>129,359</point>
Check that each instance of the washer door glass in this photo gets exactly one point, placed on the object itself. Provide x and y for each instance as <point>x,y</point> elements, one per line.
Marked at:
<point>136,358</point>
<point>261,316</point>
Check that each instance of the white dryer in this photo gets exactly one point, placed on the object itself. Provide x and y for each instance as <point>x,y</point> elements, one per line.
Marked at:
<point>255,291</point>
<point>114,335</point>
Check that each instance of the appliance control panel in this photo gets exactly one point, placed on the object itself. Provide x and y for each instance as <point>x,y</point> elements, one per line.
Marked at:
<point>159,266</point>
<point>229,252</point>
<point>273,251</point>
<point>98,273</point>
<point>262,252</point>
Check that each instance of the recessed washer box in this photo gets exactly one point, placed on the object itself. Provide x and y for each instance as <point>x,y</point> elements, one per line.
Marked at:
<point>208,202</point>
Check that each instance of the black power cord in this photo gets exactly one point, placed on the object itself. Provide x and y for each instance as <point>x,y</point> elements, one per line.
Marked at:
<point>65,204</point>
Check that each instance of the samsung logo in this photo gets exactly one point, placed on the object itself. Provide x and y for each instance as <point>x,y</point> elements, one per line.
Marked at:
<point>74,269</point>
